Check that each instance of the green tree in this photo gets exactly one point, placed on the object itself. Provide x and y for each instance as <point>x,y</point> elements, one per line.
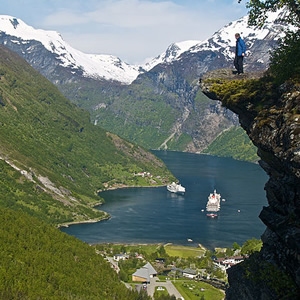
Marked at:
<point>161,251</point>
<point>251,246</point>
<point>236,246</point>
<point>229,252</point>
<point>157,296</point>
<point>258,10</point>
<point>123,275</point>
<point>285,60</point>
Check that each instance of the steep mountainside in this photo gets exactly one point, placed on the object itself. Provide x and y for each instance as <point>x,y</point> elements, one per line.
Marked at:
<point>163,107</point>
<point>271,117</point>
<point>51,151</point>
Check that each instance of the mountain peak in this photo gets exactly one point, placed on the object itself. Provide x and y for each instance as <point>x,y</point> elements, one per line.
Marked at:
<point>171,54</point>
<point>222,42</point>
<point>107,67</point>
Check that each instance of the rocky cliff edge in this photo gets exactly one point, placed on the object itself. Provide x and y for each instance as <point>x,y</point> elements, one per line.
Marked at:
<point>270,115</point>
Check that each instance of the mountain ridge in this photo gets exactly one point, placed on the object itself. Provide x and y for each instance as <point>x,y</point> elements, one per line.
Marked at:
<point>98,65</point>
<point>162,107</point>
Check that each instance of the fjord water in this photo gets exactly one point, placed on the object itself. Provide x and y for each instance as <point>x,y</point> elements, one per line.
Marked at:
<point>152,215</point>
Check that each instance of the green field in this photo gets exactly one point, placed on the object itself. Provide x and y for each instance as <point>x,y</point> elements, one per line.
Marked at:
<point>191,290</point>
<point>184,252</point>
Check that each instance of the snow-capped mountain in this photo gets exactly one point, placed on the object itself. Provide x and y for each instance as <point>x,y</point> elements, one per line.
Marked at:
<point>258,41</point>
<point>171,54</point>
<point>51,55</point>
<point>106,67</point>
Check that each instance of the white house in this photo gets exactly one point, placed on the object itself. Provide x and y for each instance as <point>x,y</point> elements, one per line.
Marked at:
<point>118,257</point>
<point>227,262</point>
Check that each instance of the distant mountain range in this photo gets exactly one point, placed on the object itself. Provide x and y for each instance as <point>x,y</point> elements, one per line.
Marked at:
<point>157,105</point>
<point>107,67</point>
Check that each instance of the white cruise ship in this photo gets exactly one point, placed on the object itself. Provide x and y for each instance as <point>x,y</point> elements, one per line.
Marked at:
<point>213,204</point>
<point>175,188</point>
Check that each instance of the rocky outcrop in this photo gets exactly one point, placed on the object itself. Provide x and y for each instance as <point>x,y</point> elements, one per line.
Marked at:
<point>271,117</point>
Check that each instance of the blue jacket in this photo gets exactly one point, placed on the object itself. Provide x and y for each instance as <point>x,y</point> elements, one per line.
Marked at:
<point>240,47</point>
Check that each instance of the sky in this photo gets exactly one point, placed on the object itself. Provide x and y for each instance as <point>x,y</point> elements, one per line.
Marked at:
<point>134,30</point>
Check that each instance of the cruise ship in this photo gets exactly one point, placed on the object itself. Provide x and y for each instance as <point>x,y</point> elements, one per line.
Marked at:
<point>213,204</point>
<point>175,188</point>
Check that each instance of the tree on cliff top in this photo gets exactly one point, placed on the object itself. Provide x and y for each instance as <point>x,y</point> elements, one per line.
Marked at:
<point>285,60</point>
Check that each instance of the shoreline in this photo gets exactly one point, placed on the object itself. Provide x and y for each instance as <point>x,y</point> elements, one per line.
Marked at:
<point>164,244</point>
<point>107,215</point>
<point>209,154</point>
<point>129,186</point>
<point>89,221</point>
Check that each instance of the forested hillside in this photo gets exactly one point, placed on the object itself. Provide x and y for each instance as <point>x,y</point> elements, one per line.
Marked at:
<point>40,262</point>
<point>52,143</point>
<point>52,162</point>
<point>234,143</point>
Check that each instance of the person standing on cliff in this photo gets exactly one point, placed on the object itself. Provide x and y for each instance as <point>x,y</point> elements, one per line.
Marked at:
<point>240,50</point>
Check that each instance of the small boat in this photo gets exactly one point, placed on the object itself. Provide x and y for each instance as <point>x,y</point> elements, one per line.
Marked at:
<point>202,210</point>
<point>211,215</point>
<point>189,240</point>
<point>175,188</point>
<point>223,200</point>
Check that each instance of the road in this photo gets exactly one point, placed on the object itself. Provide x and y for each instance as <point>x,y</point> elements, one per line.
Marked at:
<point>168,285</point>
<point>114,264</point>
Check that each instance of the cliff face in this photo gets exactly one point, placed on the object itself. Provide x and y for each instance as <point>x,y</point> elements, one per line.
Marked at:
<point>271,118</point>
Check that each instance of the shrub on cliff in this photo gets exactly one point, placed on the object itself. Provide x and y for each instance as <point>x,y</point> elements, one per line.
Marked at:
<point>285,60</point>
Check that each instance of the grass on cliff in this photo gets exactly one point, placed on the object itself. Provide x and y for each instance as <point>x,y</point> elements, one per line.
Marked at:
<point>265,273</point>
<point>255,93</point>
